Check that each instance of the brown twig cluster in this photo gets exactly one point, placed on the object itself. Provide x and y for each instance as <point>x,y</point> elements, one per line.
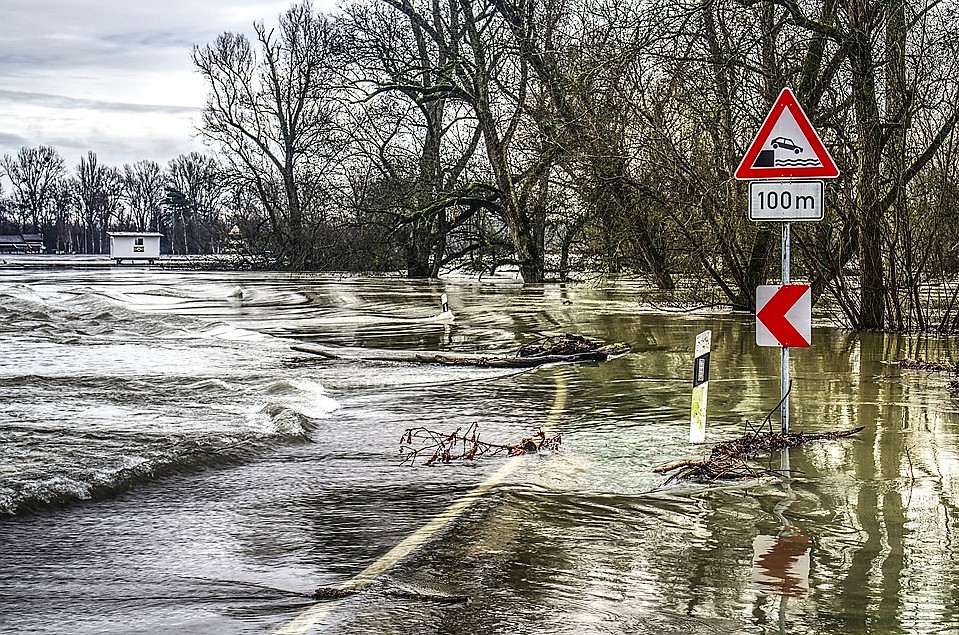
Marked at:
<point>420,442</point>
<point>757,443</point>
<point>715,469</point>
<point>727,460</point>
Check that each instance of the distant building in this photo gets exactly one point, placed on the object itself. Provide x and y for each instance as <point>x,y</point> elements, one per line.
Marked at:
<point>135,246</point>
<point>21,243</point>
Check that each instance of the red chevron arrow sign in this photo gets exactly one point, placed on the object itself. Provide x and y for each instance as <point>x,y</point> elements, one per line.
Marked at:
<point>783,315</point>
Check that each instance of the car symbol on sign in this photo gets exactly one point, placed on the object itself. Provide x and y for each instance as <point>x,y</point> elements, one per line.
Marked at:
<point>783,142</point>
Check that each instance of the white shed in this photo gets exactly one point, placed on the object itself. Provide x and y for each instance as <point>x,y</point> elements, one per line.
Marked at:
<point>134,246</point>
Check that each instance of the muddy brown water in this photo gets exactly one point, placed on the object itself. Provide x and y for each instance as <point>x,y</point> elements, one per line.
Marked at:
<point>169,464</point>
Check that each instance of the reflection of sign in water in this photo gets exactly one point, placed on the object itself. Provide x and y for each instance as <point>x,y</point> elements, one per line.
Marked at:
<point>781,564</point>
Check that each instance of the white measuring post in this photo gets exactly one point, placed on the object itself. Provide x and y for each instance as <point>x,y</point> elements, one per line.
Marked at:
<point>697,415</point>
<point>444,303</point>
<point>785,154</point>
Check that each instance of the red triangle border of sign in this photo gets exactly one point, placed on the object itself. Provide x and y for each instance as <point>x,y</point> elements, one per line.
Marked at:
<point>827,170</point>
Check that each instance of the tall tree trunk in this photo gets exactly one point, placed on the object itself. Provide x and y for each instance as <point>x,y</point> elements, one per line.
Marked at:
<point>868,199</point>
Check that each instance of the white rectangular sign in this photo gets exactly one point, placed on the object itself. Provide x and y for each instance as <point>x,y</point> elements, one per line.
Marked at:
<point>785,201</point>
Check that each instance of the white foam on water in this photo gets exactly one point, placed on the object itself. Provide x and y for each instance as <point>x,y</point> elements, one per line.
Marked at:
<point>304,396</point>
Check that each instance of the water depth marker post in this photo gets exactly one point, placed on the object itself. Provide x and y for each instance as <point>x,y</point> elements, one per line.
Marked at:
<point>785,154</point>
<point>697,415</point>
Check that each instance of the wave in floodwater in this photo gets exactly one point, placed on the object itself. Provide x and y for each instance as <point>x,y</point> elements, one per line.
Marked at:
<point>51,463</point>
<point>102,397</point>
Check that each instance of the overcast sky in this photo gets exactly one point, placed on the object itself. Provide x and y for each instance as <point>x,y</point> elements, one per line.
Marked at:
<point>112,76</point>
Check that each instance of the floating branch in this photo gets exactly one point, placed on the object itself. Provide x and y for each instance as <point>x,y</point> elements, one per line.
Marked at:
<point>568,348</point>
<point>336,593</point>
<point>417,443</point>
<point>727,460</point>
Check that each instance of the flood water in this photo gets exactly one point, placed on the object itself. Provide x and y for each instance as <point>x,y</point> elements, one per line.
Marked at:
<point>169,464</point>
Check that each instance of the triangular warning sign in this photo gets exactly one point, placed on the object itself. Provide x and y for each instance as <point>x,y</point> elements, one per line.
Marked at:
<point>787,147</point>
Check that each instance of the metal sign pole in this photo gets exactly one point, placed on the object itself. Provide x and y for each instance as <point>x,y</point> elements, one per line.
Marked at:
<point>784,379</point>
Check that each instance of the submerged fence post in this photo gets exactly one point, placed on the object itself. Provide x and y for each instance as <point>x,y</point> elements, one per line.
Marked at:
<point>697,416</point>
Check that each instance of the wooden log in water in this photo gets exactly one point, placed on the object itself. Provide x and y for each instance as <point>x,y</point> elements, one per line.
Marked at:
<point>449,359</point>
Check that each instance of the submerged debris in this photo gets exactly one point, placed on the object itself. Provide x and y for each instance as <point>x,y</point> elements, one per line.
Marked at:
<point>333,593</point>
<point>714,469</point>
<point>935,367</point>
<point>568,344</point>
<point>924,365</point>
<point>336,593</point>
<point>417,443</point>
<point>727,460</point>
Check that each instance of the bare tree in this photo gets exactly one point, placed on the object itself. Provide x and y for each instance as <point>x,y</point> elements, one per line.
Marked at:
<point>889,91</point>
<point>34,175</point>
<point>98,191</point>
<point>423,154</point>
<point>194,192</point>
<point>143,191</point>
<point>590,69</point>
<point>267,109</point>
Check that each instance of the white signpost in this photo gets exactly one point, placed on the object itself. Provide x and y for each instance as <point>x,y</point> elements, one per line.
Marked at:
<point>786,153</point>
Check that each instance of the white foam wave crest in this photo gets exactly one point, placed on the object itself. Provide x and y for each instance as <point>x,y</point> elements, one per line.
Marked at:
<point>305,396</point>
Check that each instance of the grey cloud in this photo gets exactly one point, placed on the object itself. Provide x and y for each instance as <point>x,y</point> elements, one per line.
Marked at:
<point>117,151</point>
<point>59,101</point>
<point>13,140</point>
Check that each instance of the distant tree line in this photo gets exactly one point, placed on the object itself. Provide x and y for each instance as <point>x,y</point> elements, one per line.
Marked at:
<point>567,136</point>
<point>188,201</point>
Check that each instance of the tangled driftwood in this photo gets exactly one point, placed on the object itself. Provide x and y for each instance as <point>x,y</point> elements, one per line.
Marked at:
<point>728,460</point>
<point>417,443</point>
<point>567,344</point>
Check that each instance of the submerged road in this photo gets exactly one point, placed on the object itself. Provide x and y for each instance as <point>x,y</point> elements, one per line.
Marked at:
<point>314,615</point>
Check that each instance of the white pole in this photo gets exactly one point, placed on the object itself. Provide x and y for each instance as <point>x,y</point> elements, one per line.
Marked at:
<point>697,416</point>
<point>784,379</point>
